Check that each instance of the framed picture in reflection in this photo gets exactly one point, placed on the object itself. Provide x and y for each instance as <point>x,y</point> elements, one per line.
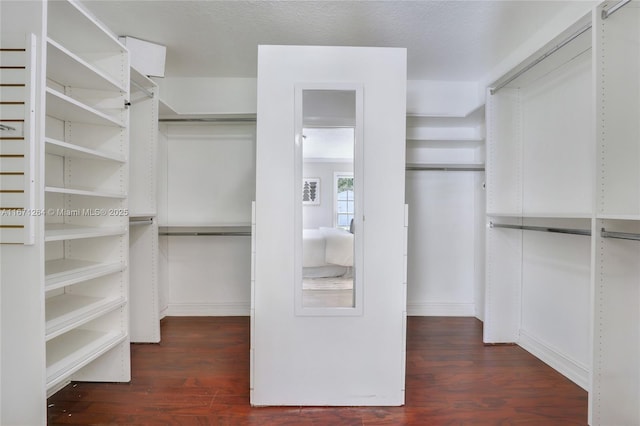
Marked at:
<point>311,191</point>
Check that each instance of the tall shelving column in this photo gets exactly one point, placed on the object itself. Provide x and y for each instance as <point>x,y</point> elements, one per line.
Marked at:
<point>540,162</point>
<point>615,382</point>
<point>86,282</point>
<point>143,224</point>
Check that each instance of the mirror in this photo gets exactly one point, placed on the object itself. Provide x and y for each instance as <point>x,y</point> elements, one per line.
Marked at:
<point>328,136</point>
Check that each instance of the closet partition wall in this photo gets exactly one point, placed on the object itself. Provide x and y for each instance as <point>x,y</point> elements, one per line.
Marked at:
<point>353,355</point>
<point>143,208</point>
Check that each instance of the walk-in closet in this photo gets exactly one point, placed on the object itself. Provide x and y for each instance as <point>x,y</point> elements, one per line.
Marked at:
<point>333,181</point>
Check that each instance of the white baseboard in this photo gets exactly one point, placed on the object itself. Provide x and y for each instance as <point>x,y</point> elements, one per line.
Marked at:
<point>434,309</point>
<point>208,309</point>
<point>565,365</point>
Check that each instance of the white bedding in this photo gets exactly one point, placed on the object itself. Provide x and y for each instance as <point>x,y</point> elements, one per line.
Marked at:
<point>326,246</point>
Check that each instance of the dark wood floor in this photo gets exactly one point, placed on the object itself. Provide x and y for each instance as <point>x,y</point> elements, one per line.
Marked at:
<point>199,375</point>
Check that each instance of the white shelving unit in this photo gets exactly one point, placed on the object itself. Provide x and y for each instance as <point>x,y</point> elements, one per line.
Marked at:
<point>86,184</point>
<point>564,155</point>
<point>540,177</point>
<point>70,292</point>
<point>143,225</point>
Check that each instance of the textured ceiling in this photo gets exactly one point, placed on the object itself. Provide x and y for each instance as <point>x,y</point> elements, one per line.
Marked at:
<point>445,40</point>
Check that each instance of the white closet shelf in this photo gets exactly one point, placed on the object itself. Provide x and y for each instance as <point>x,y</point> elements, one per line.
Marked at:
<point>68,311</point>
<point>71,351</point>
<point>68,69</point>
<point>63,272</point>
<point>73,27</point>
<point>66,108</point>
<point>65,149</point>
<point>85,192</point>
<point>60,231</point>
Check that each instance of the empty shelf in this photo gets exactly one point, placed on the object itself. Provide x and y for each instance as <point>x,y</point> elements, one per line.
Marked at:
<point>71,351</point>
<point>68,311</point>
<point>66,108</point>
<point>65,149</point>
<point>85,192</point>
<point>63,272</point>
<point>68,69</point>
<point>59,231</point>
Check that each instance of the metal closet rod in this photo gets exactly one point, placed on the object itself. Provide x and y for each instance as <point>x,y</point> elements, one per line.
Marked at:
<point>585,232</point>
<point>608,12</point>
<point>444,168</point>
<point>541,58</point>
<point>136,222</point>
<point>210,120</point>
<point>620,235</point>
<point>205,234</point>
<point>605,14</point>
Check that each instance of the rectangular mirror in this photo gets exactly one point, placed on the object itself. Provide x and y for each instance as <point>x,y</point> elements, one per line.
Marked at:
<point>327,141</point>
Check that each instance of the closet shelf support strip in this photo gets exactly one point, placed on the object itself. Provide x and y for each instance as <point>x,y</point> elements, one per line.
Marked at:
<point>585,232</point>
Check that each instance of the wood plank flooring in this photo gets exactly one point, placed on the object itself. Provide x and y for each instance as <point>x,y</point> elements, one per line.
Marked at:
<point>199,375</point>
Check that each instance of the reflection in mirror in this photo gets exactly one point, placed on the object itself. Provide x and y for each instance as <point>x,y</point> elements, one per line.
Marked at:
<point>328,198</point>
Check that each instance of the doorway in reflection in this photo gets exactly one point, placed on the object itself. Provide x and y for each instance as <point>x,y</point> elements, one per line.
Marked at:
<point>328,199</point>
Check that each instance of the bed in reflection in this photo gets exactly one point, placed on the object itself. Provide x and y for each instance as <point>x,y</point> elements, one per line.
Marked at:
<point>327,273</point>
<point>327,253</point>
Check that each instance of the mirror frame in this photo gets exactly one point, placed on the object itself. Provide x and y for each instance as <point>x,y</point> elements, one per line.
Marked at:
<point>359,184</point>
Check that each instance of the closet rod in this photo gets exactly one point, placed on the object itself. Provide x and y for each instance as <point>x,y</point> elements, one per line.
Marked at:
<point>444,168</point>
<point>542,228</point>
<point>143,89</point>
<point>205,234</point>
<point>557,47</point>
<point>619,235</point>
<point>136,222</point>
<point>210,120</point>
<point>608,12</point>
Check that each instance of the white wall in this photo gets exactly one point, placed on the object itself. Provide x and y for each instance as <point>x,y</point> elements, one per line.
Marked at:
<point>442,243</point>
<point>207,178</point>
